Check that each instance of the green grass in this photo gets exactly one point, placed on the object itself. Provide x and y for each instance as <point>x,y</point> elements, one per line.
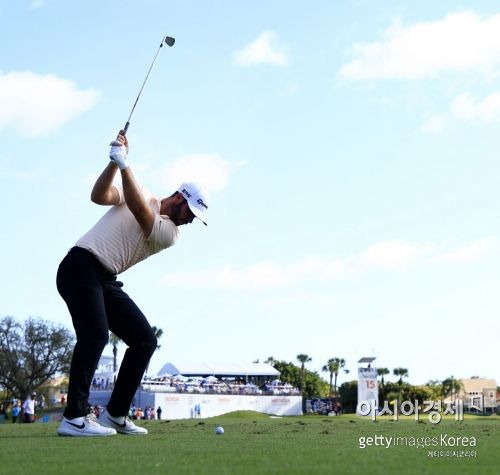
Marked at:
<point>252,444</point>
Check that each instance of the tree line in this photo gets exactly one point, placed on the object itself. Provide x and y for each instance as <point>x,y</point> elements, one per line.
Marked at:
<point>31,354</point>
<point>310,383</point>
<point>34,352</point>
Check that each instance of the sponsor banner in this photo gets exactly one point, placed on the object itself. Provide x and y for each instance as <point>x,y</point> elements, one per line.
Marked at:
<point>280,400</point>
<point>185,406</point>
<point>368,386</point>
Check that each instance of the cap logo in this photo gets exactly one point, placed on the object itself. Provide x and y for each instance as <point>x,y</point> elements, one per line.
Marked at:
<point>200,202</point>
<point>186,192</point>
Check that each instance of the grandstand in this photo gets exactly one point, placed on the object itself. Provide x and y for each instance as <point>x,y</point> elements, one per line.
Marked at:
<point>219,378</point>
<point>218,388</point>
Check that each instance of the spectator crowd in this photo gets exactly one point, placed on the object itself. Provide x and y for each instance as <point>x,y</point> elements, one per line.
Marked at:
<point>22,411</point>
<point>213,385</point>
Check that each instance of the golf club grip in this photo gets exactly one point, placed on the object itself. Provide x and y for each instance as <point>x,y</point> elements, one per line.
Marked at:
<point>125,128</point>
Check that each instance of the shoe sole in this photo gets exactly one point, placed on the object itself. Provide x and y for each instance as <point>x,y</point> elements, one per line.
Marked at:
<point>63,433</point>
<point>131,433</point>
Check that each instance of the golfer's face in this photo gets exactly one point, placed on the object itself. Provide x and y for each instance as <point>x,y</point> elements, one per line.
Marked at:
<point>185,215</point>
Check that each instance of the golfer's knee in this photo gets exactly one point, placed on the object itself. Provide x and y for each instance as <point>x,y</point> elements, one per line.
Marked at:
<point>150,343</point>
<point>98,345</point>
<point>97,339</point>
<point>144,343</point>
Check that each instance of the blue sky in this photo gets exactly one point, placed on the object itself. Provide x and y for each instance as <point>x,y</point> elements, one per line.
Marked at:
<point>351,151</point>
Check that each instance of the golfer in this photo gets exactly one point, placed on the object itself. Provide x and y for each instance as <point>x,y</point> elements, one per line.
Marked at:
<point>136,226</point>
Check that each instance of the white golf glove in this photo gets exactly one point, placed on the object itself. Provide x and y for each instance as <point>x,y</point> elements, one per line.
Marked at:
<point>118,154</point>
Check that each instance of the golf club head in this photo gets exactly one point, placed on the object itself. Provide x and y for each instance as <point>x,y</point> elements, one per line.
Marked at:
<point>169,40</point>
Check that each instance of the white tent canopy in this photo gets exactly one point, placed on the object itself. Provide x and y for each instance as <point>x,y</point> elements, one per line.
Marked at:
<point>220,369</point>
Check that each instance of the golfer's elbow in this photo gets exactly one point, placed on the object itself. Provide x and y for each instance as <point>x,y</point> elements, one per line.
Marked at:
<point>96,197</point>
<point>103,197</point>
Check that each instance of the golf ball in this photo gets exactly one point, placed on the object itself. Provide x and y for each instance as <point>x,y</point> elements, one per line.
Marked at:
<point>219,430</point>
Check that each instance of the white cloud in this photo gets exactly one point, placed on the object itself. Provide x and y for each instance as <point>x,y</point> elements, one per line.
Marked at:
<point>389,256</point>
<point>461,42</point>
<point>210,170</point>
<point>35,104</point>
<point>263,50</point>
<point>262,274</point>
<point>465,107</point>
<point>394,254</point>
<point>434,125</point>
<point>472,252</point>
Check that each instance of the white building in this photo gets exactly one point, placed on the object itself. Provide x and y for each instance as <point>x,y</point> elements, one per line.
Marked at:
<point>479,394</point>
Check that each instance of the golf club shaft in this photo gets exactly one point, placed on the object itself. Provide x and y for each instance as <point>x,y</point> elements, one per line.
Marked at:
<point>142,87</point>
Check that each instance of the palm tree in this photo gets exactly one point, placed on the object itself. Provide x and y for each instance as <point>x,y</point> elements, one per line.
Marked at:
<point>271,361</point>
<point>402,373</point>
<point>303,360</point>
<point>435,388</point>
<point>451,386</point>
<point>158,333</point>
<point>114,340</point>
<point>382,372</point>
<point>333,366</point>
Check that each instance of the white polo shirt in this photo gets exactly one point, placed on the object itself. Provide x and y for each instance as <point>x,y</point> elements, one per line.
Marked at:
<point>29,406</point>
<point>117,239</point>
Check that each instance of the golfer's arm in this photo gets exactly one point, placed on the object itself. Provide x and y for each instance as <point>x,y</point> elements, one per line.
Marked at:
<point>104,193</point>
<point>136,202</point>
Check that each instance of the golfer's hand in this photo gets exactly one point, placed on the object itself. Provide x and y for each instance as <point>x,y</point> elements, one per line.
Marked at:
<point>119,151</point>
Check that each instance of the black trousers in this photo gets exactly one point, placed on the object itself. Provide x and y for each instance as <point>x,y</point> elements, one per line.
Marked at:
<point>28,418</point>
<point>98,304</point>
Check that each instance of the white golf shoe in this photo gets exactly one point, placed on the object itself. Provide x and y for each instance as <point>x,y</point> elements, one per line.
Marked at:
<point>83,427</point>
<point>122,425</point>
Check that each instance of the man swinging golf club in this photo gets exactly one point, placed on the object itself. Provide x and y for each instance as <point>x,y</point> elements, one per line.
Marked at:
<point>136,226</point>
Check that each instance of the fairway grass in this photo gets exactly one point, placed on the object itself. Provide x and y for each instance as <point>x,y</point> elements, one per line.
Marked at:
<point>255,443</point>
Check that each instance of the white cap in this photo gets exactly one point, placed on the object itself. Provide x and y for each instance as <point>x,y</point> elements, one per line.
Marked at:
<point>196,200</point>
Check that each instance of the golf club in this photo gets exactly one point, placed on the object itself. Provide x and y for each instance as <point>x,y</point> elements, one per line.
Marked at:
<point>170,42</point>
